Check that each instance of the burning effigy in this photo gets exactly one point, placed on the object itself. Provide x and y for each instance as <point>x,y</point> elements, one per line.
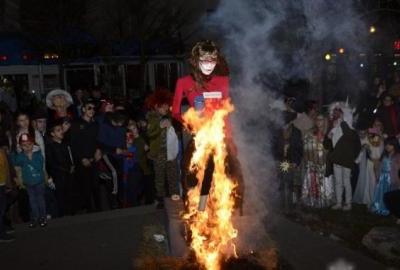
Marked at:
<point>203,233</point>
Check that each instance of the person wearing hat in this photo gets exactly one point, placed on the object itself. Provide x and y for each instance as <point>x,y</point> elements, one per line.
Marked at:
<point>33,178</point>
<point>39,121</point>
<point>288,151</point>
<point>83,135</point>
<point>59,103</point>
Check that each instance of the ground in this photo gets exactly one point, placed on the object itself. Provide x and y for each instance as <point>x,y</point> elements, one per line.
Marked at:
<point>114,240</point>
<point>107,240</point>
<point>347,227</point>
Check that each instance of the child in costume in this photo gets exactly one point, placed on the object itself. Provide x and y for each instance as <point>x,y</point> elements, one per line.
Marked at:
<point>388,176</point>
<point>159,125</point>
<point>317,188</point>
<point>31,164</point>
<point>369,163</point>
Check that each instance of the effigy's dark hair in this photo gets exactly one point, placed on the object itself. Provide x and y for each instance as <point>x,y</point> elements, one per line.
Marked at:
<point>206,47</point>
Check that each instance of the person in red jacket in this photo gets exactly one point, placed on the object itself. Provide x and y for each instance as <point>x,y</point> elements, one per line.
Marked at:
<point>208,83</point>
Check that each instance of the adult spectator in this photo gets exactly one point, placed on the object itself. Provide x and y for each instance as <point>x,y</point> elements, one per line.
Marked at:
<point>389,115</point>
<point>59,104</point>
<point>345,146</point>
<point>111,139</point>
<point>84,132</point>
<point>78,102</point>
<point>288,151</point>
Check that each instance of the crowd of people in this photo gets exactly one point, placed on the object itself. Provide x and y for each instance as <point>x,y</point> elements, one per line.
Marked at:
<point>85,153</point>
<point>88,153</point>
<point>341,155</point>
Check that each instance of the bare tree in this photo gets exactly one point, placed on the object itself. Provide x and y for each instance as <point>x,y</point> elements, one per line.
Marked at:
<point>147,22</point>
<point>48,22</point>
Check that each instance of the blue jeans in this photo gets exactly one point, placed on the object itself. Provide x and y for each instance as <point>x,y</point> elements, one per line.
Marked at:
<point>37,201</point>
<point>2,208</point>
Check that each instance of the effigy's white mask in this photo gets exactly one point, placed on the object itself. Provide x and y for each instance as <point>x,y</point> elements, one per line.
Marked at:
<point>207,67</point>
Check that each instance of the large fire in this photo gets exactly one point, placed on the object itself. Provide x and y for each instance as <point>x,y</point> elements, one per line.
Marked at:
<point>211,230</point>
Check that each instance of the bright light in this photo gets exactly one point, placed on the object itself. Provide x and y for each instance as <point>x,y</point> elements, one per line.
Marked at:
<point>328,57</point>
<point>394,63</point>
<point>372,29</point>
<point>50,56</point>
<point>361,65</point>
<point>341,50</point>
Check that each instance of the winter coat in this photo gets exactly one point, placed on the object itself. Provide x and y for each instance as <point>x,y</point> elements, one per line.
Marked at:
<point>295,150</point>
<point>347,148</point>
<point>83,139</point>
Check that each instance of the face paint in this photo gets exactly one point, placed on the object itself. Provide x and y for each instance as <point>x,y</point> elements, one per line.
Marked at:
<point>207,66</point>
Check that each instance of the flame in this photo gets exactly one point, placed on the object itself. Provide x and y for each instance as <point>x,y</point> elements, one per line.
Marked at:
<point>212,231</point>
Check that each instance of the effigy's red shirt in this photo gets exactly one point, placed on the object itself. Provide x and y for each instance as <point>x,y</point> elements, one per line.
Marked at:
<point>187,88</point>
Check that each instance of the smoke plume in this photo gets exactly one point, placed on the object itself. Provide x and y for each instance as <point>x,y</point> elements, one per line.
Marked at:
<point>268,43</point>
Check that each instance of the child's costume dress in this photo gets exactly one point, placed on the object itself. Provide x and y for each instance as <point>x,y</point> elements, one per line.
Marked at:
<point>383,186</point>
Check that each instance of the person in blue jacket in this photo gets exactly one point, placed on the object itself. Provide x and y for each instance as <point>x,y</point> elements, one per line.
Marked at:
<point>33,178</point>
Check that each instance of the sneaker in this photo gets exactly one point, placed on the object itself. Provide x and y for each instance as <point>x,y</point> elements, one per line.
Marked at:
<point>32,224</point>
<point>175,197</point>
<point>347,207</point>
<point>337,207</point>
<point>6,238</point>
<point>43,222</point>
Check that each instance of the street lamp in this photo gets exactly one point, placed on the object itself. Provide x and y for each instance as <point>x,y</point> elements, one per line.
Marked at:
<point>372,29</point>
<point>341,50</point>
<point>328,57</point>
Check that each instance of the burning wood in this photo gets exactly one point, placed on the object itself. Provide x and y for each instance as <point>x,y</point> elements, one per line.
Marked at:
<point>264,260</point>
